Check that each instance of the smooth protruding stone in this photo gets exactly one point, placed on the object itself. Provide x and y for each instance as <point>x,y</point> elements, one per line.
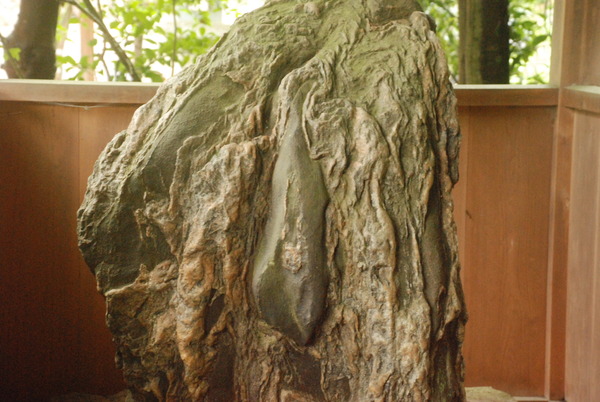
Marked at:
<point>290,278</point>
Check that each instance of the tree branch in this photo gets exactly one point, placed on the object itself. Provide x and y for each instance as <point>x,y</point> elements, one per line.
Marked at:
<point>88,9</point>
<point>446,9</point>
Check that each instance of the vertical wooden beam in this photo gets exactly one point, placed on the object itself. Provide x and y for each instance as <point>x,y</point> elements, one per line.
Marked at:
<point>591,45</point>
<point>583,316</point>
<point>575,61</point>
<point>558,256</point>
<point>576,47</point>
<point>561,71</point>
<point>459,193</point>
<point>554,387</point>
<point>558,30</point>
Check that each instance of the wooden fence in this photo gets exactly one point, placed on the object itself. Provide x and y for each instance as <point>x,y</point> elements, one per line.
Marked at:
<point>527,210</point>
<point>582,117</point>
<point>502,210</point>
<point>53,336</point>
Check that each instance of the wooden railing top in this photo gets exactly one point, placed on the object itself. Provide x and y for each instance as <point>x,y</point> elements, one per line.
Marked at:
<point>79,92</point>
<point>582,98</point>
<point>507,95</point>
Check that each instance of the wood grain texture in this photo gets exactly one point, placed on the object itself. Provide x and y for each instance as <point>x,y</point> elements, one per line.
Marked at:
<point>39,274</point>
<point>507,95</point>
<point>54,340</point>
<point>582,98</point>
<point>505,265</point>
<point>583,307</point>
<point>76,92</point>
<point>93,128</point>
<point>558,255</point>
<point>580,43</point>
<point>120,93</point>
<point>588,22</point>
<point>558,44</point>
<point>459,193</point>
<point>576,215</point>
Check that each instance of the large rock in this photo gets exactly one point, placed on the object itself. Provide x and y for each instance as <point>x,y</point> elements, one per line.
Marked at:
<point>276,222</point>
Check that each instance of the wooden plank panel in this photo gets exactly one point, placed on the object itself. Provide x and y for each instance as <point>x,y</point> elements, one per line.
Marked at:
<point>42,321</point>
<point>579,60</point>
<point>39,271</point>
<point>459,193</point>
<point>510,152</point>
<point>583,307</point>
<point>558,256</point>
<point>511,133</point>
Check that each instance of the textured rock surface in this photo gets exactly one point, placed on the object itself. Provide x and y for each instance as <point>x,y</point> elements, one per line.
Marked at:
<point>276,223</point>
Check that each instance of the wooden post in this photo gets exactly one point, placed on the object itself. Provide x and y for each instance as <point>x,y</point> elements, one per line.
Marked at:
<point>573,329</point>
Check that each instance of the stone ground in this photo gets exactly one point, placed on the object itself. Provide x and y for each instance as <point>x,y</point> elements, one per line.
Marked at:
<point>487,394</point>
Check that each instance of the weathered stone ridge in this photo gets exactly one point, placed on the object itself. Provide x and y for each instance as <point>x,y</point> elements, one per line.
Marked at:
<point>276,223</point>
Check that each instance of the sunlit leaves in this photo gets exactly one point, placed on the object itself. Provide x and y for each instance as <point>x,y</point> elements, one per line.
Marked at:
<point>159,42</point>
<point>530,33</point>
<point>445,15</point>
<point>158,36</point>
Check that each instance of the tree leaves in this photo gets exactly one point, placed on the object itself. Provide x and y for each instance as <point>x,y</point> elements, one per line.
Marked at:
<point>158,37</point>
<point>445,14</point>
<point>530,30</point>
<point>158,41</point>
<point>530,26</point>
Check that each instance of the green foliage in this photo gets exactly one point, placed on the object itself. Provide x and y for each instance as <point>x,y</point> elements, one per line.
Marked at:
<point>15,53</point>
<point>530,25</point>
<point>530,32</point>
<point>445,14</point>
<point>152,39</point>
<point>158,37</point>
